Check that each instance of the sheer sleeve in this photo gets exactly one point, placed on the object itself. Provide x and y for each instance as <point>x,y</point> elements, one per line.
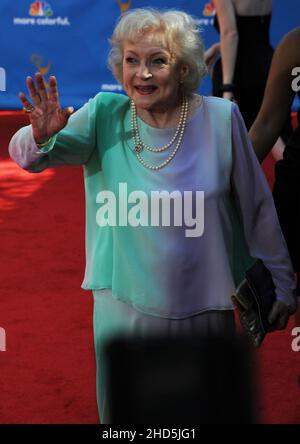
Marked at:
<point>71,146</point>
<point>255,204</point>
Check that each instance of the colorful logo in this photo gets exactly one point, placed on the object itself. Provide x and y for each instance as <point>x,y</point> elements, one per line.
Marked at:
<point>124,6</point>
<point>40,9</point>
<point>209,9</point>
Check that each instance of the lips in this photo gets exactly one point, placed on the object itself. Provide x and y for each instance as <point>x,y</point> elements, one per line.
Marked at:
<point>147,89</point>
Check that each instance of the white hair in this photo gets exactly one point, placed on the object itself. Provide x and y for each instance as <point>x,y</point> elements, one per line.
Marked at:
<point>177,31</point>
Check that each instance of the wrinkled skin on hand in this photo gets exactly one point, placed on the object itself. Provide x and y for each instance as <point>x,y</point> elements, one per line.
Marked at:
<point>47,117</point>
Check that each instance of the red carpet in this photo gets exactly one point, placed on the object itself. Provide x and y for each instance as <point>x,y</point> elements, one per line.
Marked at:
<point>48,369</point>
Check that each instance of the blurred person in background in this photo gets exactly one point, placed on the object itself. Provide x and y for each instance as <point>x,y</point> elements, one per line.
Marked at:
<point>246,53</point>
<point>283,83</point>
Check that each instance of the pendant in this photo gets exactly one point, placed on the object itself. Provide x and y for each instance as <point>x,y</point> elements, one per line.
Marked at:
<point>138,148</point>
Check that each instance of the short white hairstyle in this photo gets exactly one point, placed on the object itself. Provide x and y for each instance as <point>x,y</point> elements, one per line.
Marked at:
<point>176,31</point>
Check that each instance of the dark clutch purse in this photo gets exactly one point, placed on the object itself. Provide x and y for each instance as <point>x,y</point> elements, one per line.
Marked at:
<point>253,299</point>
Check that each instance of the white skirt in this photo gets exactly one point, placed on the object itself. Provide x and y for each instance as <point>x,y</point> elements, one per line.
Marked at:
<point>113,318</point>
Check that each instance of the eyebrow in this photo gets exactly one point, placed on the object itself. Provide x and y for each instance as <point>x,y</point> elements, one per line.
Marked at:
<point>151,55</point>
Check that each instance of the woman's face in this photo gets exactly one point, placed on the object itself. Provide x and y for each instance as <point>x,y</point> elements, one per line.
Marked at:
<point>151,75</point>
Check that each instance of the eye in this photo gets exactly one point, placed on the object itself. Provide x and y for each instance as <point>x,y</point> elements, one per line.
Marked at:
<point>158,61</point>
<point>131,60</point>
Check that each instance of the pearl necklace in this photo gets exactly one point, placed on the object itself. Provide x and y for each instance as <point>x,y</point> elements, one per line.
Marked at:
<point>140,145</point>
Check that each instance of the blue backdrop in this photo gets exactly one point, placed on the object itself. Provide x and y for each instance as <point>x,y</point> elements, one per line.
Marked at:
<point>70,39</point>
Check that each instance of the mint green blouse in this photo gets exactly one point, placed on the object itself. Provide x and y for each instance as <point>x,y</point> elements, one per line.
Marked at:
<point>171,268</point>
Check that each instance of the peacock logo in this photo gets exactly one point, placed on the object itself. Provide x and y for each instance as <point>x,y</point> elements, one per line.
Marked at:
<point>41,14</point>
<point>41,9</point>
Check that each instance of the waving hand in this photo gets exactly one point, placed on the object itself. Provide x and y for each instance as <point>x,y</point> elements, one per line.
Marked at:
<point>46,116</point>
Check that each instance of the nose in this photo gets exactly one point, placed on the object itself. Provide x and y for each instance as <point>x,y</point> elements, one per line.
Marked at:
<point>144,72</point>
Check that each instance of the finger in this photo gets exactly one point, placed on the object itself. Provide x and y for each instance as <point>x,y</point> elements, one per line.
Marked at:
<point>273,315</point>
<point>26,103</point>
<point>24,99</point>
<point>41,89</point>
<point>279,315</point>
<point>53,93</point>
<point>283,321</point>
<point>279,325</point>
<point>35,97</point>
<point>66,112</point>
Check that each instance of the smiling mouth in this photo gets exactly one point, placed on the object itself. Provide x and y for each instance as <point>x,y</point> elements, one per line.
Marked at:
<point>145,89</point>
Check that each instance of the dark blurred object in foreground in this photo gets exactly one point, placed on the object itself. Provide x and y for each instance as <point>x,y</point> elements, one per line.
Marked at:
<point>180,381</point>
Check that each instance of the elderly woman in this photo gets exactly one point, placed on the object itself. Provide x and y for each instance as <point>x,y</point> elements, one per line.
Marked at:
<point>176,202</point>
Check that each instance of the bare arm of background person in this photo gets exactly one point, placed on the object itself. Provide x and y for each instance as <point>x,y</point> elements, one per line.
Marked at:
<point>278,95</point>
<point>211,55</point>
<point>228,40</point>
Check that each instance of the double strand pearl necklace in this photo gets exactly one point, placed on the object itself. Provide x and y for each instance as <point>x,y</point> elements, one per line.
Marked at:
<point>140,145</point>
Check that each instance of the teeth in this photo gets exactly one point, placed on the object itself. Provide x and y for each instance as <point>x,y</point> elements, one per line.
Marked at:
<point>146,88</point>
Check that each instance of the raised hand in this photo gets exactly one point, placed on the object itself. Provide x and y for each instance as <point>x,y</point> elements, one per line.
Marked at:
<point>45,114</point>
